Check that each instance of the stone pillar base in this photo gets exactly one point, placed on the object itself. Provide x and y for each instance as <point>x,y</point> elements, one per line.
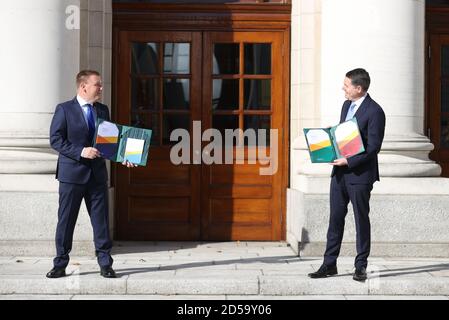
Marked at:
<point>409,217</point>
<point>399,250</point>
<point>29,214</point>
<point>43,248</point>
<point>400,157</point>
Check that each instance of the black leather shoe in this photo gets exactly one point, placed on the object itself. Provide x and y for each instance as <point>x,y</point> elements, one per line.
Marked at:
<point>108,272</point>
<point>56,273</point>
<point>360,274</point>
<point>324,272</point>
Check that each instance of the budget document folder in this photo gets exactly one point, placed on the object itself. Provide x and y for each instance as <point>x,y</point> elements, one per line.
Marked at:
<point>119,143</point>
<point>328,144</point>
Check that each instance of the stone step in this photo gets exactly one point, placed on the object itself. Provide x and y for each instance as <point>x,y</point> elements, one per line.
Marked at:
<point>158,283</point>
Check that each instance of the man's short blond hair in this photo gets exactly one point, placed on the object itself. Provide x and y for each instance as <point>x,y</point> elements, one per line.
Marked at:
<point>83,75</point>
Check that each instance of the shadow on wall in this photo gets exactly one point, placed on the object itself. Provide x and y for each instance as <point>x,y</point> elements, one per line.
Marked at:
<point>304,239</point>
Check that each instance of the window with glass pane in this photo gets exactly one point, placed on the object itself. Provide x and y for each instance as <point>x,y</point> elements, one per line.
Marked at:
<point>257,94</point>
<point>177,58</point>
<point>147,121</point>
<point>223,122</point>
<point>226,58</point>
<point>176,94</point>
<point>225,94</point>
<point>144,58</point>
<point>172,122</point>
<point>144,94</point>
<point>258,123</point>
<point>257,58</point>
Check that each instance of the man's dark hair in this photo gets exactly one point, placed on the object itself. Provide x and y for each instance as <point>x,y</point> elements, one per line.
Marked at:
<point>359,77</point>
<point>83,75</point>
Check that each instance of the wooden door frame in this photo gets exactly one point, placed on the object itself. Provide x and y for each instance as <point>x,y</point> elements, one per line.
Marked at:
<point>211,17</point>
<point>184,230</point>
<point>240,191</point>
<point>437,24</point>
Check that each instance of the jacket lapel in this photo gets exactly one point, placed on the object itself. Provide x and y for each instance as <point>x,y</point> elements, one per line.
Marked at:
<point>345,110</point>
<point>363,106</point>
<point>79,114</point>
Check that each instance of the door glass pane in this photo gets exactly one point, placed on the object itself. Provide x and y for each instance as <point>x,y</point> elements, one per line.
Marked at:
<point>176,94</point>
<point>144,58</point>
<point>445,61</point>
<point>226,58</point>
<point>225,94</point>
<point>444,114</point>
<point>147,121</point>
<point>144,94</point>
<point>257,94</point>
<point>177,58</point>
<point>222,122</point>
<point>172,122</point>
<point>257,58</point>
<point>258,123</point>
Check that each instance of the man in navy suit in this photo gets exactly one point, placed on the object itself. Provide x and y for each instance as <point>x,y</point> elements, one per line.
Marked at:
<point>353,177</point>
<point>81,173</point>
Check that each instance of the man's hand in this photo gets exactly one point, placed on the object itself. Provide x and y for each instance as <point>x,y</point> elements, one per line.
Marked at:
<point>340,162</point>
<point>129,164</point>
<point>90,153</point>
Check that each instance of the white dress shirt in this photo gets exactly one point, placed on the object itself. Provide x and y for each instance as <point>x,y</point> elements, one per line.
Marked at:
<point>358,102</point>
<point>83,103</point>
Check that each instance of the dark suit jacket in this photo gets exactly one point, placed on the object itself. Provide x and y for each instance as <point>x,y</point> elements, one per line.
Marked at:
<point>69,134</point>
<point>363,168</point>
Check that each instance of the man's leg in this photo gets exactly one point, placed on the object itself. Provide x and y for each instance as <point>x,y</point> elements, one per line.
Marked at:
<point>97,205</point>
<point>360,195</point>
<point>70,197</point>
<point>339,200</point>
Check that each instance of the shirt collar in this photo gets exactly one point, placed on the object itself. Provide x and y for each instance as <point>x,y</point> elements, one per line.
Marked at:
<point>359,101</point>
<point>81,101</point>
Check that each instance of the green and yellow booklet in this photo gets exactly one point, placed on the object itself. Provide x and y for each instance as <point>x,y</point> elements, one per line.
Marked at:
<point>328,144</point>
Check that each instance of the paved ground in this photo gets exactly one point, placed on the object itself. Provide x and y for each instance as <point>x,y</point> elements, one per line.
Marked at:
<point>221,271</point>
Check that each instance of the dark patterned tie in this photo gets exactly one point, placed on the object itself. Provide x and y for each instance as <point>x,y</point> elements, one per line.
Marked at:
<point>90,122</point>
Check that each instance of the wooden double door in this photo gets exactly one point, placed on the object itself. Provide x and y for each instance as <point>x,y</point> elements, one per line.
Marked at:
<point>168,80</point>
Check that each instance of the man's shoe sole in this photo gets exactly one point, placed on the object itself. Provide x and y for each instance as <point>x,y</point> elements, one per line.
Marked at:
<point>56,277</point>
<point>360,279</point>
<point>321,277</point>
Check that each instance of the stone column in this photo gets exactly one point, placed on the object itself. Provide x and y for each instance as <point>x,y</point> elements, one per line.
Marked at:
<point>38,60</point>
<point>387,39</point>
<point>42,51</point>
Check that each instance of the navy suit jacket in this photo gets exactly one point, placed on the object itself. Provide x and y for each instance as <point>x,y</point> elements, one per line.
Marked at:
<point>69,134</point>
<point>363,168</point>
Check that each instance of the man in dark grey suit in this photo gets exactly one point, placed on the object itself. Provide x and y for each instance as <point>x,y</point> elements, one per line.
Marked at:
<point>81,173</point>
<point>353,177</point>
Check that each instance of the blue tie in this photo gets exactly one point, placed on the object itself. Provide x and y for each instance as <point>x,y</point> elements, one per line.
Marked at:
<point>350,112</point>
<point>90,122</point>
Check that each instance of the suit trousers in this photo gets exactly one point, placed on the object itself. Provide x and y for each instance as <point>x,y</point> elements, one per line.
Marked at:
<point>95,196</point>
<point>341,192</point>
